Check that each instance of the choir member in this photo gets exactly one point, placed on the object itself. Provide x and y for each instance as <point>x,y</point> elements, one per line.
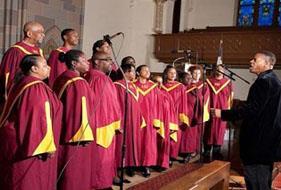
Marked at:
<point>221,95</point>
<point>128,60</point>
<point>29,130</point>
<point>132,121</point>
<point>74,164</point>
<point>177,92</point>
<point>104,46</point>
<point>70,39</point>
<point>33,35</point>
<point>189,138</point>
<point>198,95</point>
<point>107,120</point>
<point>148,103</point>
<point>169,125</point>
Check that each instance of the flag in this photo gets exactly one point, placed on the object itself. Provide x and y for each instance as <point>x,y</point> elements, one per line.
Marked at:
<point>219,59</point>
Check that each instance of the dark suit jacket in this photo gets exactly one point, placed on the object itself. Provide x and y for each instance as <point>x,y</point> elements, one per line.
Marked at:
<point>260,132</point>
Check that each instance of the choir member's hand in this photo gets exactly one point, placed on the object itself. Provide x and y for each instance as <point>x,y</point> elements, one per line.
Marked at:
<point>215,112</point>
<point>84,143</point>
<point>45,156</point>
<point>172,131</point>
<point>119,131</point>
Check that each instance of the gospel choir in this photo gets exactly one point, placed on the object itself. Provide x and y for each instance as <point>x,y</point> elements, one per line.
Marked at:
<point>64,121</point>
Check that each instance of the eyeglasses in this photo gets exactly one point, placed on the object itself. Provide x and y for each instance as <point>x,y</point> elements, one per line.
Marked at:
<point>38,31</point>
<point>105,59</point>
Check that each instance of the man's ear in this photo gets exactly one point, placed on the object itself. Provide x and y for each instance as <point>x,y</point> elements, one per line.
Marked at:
<point>29,33</point>
<point>96,62</point>
<point>65,37</point>
<point>34,69</point>
<point>74,63</point>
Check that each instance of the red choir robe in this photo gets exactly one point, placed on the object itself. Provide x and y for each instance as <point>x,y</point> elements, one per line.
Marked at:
<point>177,92</point>
<point>202,110</point>
<point>134,125</point>
<point>221,95</point>
<point>148,104</point>
<point>77,131</point>
<point>10,65</point>
<point>190,134</point>
<point>169,126</point>
<point>29,126</point>
<point>107,120</point>
<point>57,67</point>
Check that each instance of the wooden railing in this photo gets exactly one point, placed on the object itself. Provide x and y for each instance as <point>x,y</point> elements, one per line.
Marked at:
<point>239,44</point>
<point>213,176</point>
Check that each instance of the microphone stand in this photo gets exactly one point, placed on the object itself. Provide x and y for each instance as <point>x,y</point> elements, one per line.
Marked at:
<point>231,77</point>
<point>125,117</point>
<point>229,133</point>
<point>224,74</point>
<point>203,112</point>
<point>234,74</point>
<point>177,59</point>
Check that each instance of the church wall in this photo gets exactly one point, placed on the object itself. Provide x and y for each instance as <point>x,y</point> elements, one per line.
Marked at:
<point>54,16</point>
<point>136,19</point>
<point>203,13</point>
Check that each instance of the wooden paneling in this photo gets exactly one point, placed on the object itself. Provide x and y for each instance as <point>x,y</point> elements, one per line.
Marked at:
<point>239,44</point>
<point>213,176</point>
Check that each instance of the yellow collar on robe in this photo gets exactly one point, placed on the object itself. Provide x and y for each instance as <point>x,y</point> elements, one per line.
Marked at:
<point>26,51</point>
<point>144,92</point>
<point>171,87</point>
<point>135,95</point>
<point>221,87</point>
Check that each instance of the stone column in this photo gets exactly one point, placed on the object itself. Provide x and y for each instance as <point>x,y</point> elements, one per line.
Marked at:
<point>159,16</point>
<point>13,12</point>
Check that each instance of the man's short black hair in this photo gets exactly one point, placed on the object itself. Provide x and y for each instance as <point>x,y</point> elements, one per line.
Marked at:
<point>65,32</point>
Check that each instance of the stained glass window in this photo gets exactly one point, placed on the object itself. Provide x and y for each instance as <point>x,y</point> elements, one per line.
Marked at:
<point>246,13</point>
<point>247,2</point>
<point>266,10</point>
<point>279,17</point>
<point>259,13</point>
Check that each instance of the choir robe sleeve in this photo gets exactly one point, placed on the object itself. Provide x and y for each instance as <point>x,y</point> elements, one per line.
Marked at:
<point>198,111</point>
<point>161,114</point>
<point>77,115</point>
<point>133,109</point>
<point>167,116</point>
<point>121,93</point>
<point>38,122</point>
<point>184,114</point>
<point>107,115</point>
<point>191,104</point>
<point>231,96</point>
<point>8,67</point>
<point>35,113</point>
<point>206,103</point>
<point>155,109</point>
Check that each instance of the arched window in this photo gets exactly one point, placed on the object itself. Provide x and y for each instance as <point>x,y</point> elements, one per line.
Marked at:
<point>259,13</point>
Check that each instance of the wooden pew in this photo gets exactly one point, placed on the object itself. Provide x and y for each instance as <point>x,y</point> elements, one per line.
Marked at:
<point>213,176</point>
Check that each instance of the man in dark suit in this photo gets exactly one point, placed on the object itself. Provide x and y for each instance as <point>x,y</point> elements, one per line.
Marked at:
<point>260,133</point>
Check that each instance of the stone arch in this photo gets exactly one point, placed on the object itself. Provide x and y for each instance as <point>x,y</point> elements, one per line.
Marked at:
<point>52,40</point>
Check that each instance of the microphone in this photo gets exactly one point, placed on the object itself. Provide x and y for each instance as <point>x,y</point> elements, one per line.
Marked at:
<point>108,37</point>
